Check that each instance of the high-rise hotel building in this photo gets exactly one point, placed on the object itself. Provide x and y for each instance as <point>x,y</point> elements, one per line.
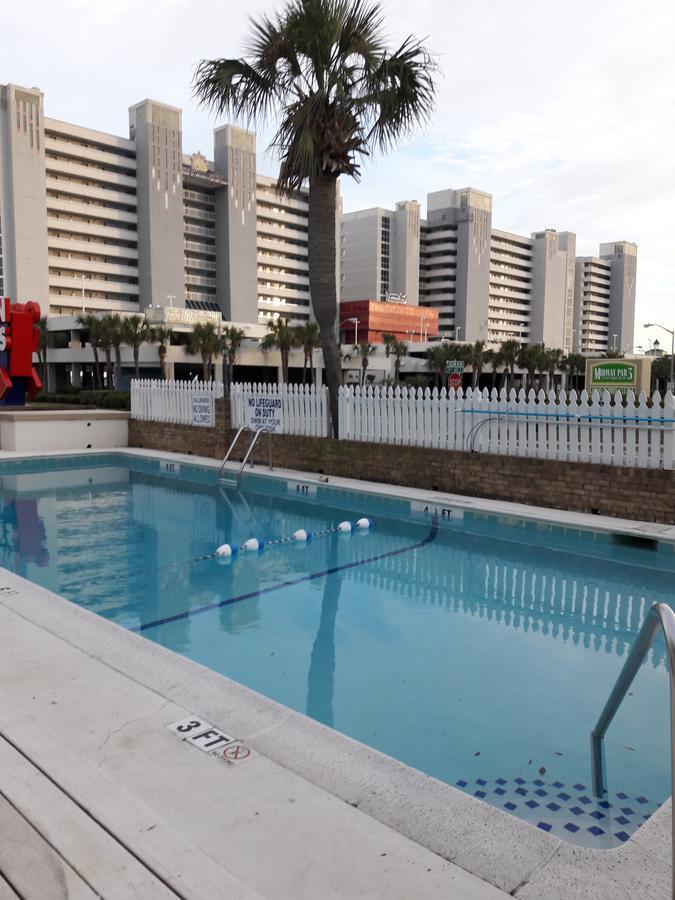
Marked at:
<point>489,284</point>
<point>93,221</point>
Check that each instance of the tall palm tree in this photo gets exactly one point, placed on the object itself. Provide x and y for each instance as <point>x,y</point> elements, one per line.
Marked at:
<point>162,336</point>
<point>204,341</point>
<point>398,350</point>
<point>307,336</point>
<point>284,338</point>
<point>231,342</point>
<point>320,70</point>
<point>136,332</point>
<point>508,352</point>
<point>365,350</point>
<point>116,327</point>
<point>92,324</point>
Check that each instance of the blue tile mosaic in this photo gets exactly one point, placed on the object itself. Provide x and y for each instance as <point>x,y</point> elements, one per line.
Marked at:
<point>591,827</point>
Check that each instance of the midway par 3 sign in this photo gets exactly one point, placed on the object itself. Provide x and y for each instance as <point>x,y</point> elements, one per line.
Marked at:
<point>618,374</point>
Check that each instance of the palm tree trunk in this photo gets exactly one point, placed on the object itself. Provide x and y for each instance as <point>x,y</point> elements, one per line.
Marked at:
<point>230,371</point>
<point>98,380</point>
<point>205,367</point>
<point>162,362</point>
<point>322,248</point>
<point>136,368</point>
<point>304,370</point>
<point>397,371</point>
<point>118,366</point>
<point>109,367</point>
<point>284,366</point>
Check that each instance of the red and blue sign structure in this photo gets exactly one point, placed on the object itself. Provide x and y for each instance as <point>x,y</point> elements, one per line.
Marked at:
<point>19,339</point>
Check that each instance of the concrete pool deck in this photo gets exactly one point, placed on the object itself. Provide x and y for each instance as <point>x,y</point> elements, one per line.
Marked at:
<point>115,804</point>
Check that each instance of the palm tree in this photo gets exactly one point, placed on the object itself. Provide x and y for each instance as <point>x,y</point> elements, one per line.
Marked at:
<point>528,359</point>
<point>576,363</point>
<point>398,350</point>
<point>162,336</point>
<point>116,327</point>
<point>388,340</point>
<point>476,356</point>
<point>42,349</point>
<point>93,325</point>
<point>205,342</point>
<point>105,341</point>
<point>365,350</point>
<point>321,72</point>
<point>436,358</point>
<point>307,336</point>
<point>231,342</point>
<point>554,363</point>
<point>508,353</point>
<point>284,338</point>
<point>136,332</point>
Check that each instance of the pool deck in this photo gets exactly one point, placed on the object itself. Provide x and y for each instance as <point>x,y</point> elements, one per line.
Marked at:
<point>99,798</point>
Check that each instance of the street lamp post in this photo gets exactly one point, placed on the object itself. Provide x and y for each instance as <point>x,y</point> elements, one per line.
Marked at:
<point>355,320</point>
<point>614,336</point>
<point>671,332</point>
<point>458,328</point>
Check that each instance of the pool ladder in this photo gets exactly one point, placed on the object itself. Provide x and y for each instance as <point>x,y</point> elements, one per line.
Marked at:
<point>256,435</point>
<point>659,618</point>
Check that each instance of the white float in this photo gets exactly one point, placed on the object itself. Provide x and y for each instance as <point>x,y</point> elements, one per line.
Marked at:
<point>363,523</point>
<point>345,527</point>
<point>253,544</point>
<point>302,535</point>
<point>226,550</point>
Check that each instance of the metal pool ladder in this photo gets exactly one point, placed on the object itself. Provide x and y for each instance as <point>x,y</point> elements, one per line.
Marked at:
<point>659,617</point>
<point>256,435</point>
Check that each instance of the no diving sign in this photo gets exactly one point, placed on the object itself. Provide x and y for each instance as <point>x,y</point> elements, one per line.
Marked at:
<point>206,737</point>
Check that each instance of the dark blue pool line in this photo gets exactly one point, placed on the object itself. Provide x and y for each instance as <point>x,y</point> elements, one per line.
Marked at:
<point>433,531</point>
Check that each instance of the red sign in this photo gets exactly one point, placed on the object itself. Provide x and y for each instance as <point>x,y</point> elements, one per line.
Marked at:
<point>19,339</point>
<point>455,381</point>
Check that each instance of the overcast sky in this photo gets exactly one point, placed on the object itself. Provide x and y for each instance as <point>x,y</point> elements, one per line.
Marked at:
<point>564,112</point>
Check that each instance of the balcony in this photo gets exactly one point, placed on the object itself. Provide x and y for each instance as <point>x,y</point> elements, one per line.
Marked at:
<point>97,248</point>
<point>72,169</point>
<point>90,210</point>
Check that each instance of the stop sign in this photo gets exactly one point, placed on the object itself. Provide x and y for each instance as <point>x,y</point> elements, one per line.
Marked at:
<point>455,381</point>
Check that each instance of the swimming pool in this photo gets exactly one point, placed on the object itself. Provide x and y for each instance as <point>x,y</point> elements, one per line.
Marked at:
<point>476,648</point>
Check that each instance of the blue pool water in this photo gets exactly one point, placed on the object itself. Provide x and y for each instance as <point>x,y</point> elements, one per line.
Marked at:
<point>475,648</point>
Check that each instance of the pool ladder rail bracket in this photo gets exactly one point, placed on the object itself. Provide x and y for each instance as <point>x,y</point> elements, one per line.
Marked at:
<point>256,434</point>
<point>659,618</point>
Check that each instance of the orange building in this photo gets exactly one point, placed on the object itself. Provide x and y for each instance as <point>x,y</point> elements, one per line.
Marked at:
<point>374,318</point>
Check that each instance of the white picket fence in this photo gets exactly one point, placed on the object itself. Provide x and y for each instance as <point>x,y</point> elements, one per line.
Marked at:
<point>169,401</point>
<point>303,409</point>
<point>599,428</point>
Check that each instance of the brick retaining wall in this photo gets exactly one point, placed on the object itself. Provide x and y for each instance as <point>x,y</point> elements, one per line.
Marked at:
<point>644,494</point>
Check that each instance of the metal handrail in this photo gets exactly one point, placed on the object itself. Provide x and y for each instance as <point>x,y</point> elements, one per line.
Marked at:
<point>259,431</point>
<point>231,448</point>
<point>660,617</point>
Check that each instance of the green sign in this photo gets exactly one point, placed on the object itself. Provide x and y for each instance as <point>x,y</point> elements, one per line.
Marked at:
<point>615,374</point>
<point>453,366</point>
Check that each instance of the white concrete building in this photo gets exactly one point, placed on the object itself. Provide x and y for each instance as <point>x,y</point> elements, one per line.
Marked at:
<point>487,284</point>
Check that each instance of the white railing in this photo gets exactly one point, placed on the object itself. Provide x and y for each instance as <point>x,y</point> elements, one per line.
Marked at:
<point>170,401</point>
<point>283,408</point>
<point>619,431</point>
